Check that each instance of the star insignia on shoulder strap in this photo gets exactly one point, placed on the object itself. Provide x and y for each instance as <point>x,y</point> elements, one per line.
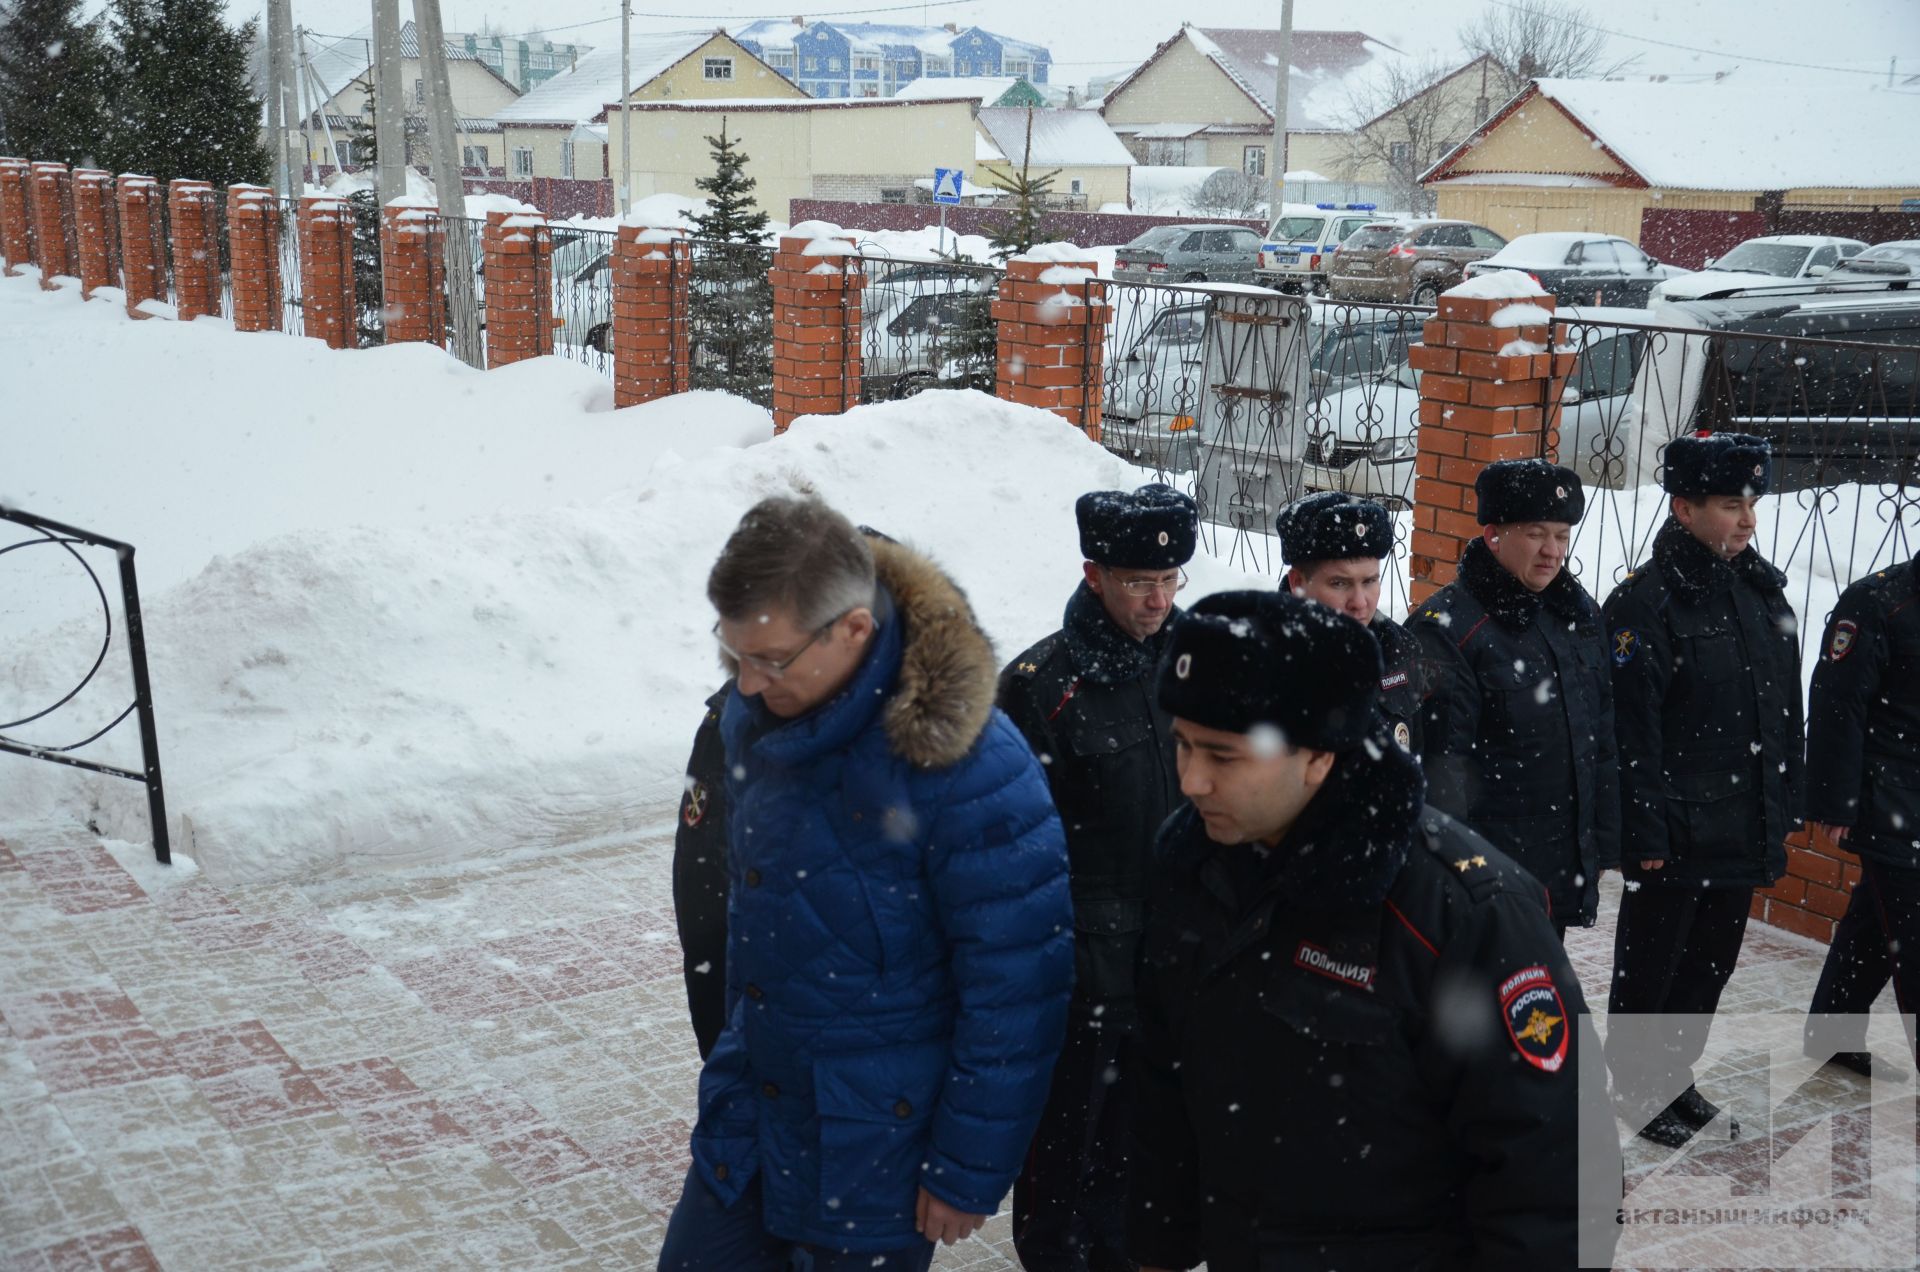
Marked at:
<point>1479,861</point>
<point>1462,864</point>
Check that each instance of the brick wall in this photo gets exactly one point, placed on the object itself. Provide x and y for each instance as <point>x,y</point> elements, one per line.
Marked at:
<point>817,289</point>
<point>652,271</point>
<point>1813,893</point>
<point>519,248</point>
<point>253,233</point>
<point>93,216</point>
<point>413,273</point>
<point>1052,338</point>
<point>143,247</point>
<point>53,216</point>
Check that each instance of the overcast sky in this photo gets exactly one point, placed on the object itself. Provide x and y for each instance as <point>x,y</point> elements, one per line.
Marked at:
<point>1097,37</point>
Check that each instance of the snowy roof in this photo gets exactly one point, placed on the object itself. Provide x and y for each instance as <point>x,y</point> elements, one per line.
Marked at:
<point>1061,138</point>
<point>576,96</point>
<point>1752,136</point>
<point>345,60</point>
<point>984,89</point>
<point>879,37</point>
<point>1325,67</point>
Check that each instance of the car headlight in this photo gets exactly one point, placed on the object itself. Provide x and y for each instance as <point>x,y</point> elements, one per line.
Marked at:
<point>1325,447</point>
<point>1388,449</point>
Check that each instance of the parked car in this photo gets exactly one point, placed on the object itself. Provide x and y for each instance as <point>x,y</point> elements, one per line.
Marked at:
<point>1762,262</point>
<point>1303,239</point>
<point>1408,262</point>
<point>1363,438</point>
<point>1895,263</point>
<point>1195,253</point>
<point>1581,268</point>
<point>1844,410</point>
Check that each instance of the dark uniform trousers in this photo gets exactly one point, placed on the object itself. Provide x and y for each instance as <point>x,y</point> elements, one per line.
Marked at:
<point>1517,725</point>
<point>1362,1050</point>
<point>700,878</point>
<point>1083,698</point>
<point>1863,772</point>
<point>1706,691</point>
<point>1856,970</point>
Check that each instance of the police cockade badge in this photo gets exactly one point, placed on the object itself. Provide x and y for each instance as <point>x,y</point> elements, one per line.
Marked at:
<point>1403,735</point>
<point>1360,530</point>
<point>1182,666</point>
<point>1559,492</point>
<point>1758,469</point>
<point>1536,1018</point>
<point>1163,538</point>
<point>1843,633</point>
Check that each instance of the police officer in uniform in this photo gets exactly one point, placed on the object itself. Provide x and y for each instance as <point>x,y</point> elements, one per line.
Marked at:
<point>1706,692</point>
<point>1083,698</point>
<point>1863,776</point>
<point>700,878</point>
<point>1517,730</point>
<point>1333,544</point>
<point>1359,1043</point>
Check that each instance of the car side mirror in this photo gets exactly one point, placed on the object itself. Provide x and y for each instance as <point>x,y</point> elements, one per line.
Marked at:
<point>1819,271</point>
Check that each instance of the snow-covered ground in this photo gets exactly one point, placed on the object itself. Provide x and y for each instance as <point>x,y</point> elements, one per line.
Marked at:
<point>399,611</point>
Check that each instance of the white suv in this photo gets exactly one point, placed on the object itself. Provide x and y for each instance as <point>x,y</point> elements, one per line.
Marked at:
<point>1298,251</point>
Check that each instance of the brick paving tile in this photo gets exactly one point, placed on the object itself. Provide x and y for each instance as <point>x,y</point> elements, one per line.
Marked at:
<point>465,985</point>
<point>262,1094</point>
<point>121,1250</point>
<point>65,1013</point>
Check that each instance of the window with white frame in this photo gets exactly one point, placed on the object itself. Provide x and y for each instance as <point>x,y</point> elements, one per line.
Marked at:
<point>869,90</point>
<point>937,65</point>
<point>833,64</point>
<point>1017,66</point>
<point>522,161</point>
<point>1399,153</point>
<point>809,63</point>
<point>780,61</point>
<point>1253,161</point>
<point>867,62</point>
<point>419,92</point>
<point>893,195</point>
<point>473,156</point>
<point>1074,187</point>
<point>717,68</point>
<point>566,160</point>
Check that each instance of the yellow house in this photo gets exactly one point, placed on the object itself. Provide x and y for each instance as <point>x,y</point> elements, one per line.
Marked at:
<point>1205,99</point>
<point>861,148</point>
<point>1092,166</point>
<point>549,132</point>
<point>1615,156</point>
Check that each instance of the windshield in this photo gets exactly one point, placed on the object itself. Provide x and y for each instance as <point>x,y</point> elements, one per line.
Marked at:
<point>1373,237</point>
<point>1158,236</point>
<point>1782,259</point>
<point>1903,252</point>
<point>1295,229</point>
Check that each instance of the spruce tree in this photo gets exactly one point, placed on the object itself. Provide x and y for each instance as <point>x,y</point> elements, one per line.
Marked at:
<point>1019,231</point>
<point>186,107</point>
<point>730,304</point>
<point>53,83</point>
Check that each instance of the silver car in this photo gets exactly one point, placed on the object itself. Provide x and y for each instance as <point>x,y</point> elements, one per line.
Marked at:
<point>1197,253</point>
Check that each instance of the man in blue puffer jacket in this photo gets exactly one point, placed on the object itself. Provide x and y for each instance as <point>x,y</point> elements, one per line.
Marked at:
<point>899,925</point>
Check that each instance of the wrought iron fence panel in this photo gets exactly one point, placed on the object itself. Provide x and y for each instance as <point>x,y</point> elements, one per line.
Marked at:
<point>730,319</point>
<point>1843,417</point>
<point>369,285</point>
<point>583,296</point>
<point>293,318</point>
<point>926,323</point>
<point>1151,377</point>
<point>458,311</point>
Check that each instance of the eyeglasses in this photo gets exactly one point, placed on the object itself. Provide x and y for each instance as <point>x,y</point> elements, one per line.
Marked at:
<point>1145,587</point>
<point>775,670</point>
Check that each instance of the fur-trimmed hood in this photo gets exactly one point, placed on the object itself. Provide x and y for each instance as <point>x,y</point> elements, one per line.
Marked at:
<point>1695,572</point>
<point>943,697</point>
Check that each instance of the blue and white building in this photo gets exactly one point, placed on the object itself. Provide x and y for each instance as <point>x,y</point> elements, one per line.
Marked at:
<point>872,59</point>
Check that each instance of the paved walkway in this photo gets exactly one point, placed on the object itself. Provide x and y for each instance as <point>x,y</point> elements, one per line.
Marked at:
<point>478,1067</point>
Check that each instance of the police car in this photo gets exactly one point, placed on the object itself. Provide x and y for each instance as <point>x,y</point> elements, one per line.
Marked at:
<point>1298,251</point>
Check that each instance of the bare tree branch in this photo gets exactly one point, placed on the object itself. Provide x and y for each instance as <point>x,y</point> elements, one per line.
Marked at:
<point>1531,39</point>
<point>1394,123</point>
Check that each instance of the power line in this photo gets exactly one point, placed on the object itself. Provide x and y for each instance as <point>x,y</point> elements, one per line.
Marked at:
<point>1685,48</point>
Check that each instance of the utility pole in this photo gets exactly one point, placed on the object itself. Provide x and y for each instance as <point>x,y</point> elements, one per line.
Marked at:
<point>626,98</point>
<point>289,103</point>
<point>447,182</point>
<point>1283,54</point>
<point>276,103</point>
<point>389,101</point>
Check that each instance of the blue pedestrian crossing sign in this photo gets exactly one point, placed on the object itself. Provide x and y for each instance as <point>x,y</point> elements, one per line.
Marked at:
<point>946,185</point>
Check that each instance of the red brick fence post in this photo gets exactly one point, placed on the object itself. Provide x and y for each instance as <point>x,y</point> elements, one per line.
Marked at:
<point>53,216</point>
<point>1052,315</point>
<point>93,211</point>
<point>326,269</point>
<point>253,249</point>
<point>519,254</point>
<point>652,267</point>
<point>1488,375</point>
<point>196,248</point>
<point>413,267</point>
<point>818,283</point>
<point>16,231</point>
<point>142,251</point>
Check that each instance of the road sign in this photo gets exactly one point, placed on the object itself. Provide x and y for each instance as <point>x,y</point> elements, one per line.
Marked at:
<point>946,185</point>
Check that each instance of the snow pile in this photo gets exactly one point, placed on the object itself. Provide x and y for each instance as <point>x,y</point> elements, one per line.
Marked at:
<point>398,611</point>
<point>1499,284</point>
<point>1520,316</point>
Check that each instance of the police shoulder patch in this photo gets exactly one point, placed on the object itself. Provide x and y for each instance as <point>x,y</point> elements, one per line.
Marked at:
<point>694,811</point>
<point>1626,643</point>
<point>1536,1018</point>
<point>1844,633</point>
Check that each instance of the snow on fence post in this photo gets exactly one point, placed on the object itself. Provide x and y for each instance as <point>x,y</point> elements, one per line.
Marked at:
<point>818,282</point>
<point>253,248</point>
<point>519,263</point>
<point>142,254</point>
<point>326,269</point>
<point>1052,316</point>
<point>52,213</point>
<point>92,205</point>
<point>413,268</point>
<point>16,235</point>
<point>1490,390</point>
<point>196,248</point>
<point>652,267</point>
